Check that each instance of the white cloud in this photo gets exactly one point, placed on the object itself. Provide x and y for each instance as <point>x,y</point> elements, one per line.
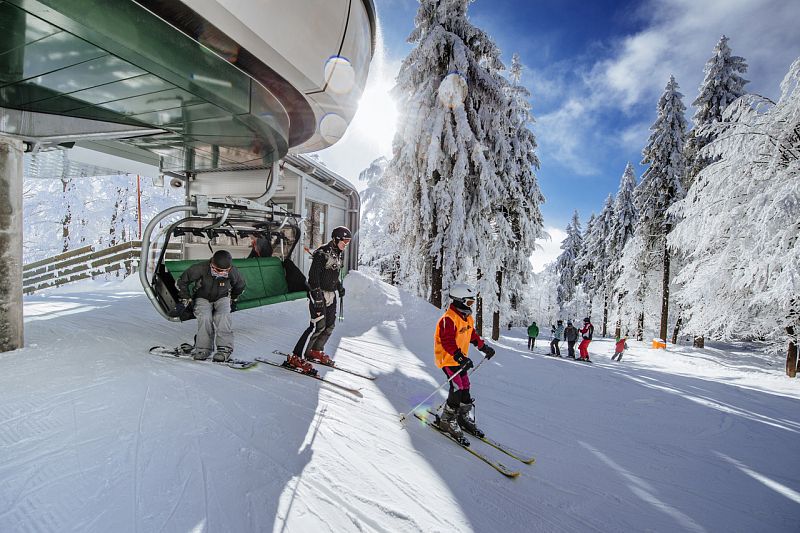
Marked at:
<point>548,249</point>
<point>679,38</point>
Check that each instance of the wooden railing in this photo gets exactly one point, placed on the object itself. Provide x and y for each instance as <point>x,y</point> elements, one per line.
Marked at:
<point>83,263</point>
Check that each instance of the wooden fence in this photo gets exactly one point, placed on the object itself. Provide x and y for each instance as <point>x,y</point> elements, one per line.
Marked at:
<point>83,263</point>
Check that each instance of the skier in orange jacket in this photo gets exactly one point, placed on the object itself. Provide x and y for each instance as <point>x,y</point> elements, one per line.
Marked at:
<point>455,331</point>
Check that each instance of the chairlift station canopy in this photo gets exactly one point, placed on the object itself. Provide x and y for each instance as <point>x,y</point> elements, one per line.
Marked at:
<point>199,85</point>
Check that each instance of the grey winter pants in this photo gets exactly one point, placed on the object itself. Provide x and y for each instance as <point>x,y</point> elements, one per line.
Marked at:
<point>213,317</point>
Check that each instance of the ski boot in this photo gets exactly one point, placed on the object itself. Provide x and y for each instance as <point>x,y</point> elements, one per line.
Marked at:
<point>466,421</point>
<point>448,423</point>
<point>200,355</point>
<point>298,363</point>
<point>318,356</point>
<point>222,354</point>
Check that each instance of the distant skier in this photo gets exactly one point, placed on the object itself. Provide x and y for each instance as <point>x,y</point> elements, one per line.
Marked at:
<point>455,331</point>
<point>571,336</point>
<point>586,332</point>
<point>533,332</point>
<point>323,284</point>
<point>619,348</point>
<point>557,332</point>
<point>212,287</point>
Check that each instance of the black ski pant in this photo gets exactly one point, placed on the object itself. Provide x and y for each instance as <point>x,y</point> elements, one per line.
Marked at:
<point>531,342</point>
<point>571,349</point>
<point>554,348</point>
<point>459,387</point>
<point>318,332</point>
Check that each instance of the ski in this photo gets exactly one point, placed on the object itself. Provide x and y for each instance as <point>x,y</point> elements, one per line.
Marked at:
<point>519,456</point>
<point>511,452</point>
<point>500,467</point>
<point>178,353</point>
<point>355,392</point>
<point>333,366</point>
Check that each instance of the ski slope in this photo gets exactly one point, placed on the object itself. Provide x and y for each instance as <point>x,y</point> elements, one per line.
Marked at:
<point>97,436</point>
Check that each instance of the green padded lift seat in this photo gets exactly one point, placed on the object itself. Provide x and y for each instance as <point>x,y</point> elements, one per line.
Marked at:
<point>265,278</point>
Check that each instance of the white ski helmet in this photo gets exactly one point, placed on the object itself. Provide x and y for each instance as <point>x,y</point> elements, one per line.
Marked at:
<point>461,292</point>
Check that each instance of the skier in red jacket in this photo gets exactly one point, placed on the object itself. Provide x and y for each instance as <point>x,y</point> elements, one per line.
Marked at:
<point>586,332</point>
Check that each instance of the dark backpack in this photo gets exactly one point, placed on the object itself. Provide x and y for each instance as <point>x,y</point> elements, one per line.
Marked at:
<point>590,332</point>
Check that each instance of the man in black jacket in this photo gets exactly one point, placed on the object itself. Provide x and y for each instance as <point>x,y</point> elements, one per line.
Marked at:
<point>213,287</point>
<point>323,284</point>
<point>571,336</point>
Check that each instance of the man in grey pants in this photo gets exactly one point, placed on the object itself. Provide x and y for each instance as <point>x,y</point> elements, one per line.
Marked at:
<point>213,286</point>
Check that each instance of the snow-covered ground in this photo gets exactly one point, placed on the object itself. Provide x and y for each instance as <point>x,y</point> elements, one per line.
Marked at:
<point>97,435</point>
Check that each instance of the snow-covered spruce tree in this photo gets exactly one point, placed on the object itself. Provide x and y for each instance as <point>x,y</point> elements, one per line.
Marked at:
<point>723,83</point>
<point>740,224</point>
<point>376,238</point>
<point>598,247</point>
<point>661,184</point>
<point>585,261</point>
<point>565,265</point>
<point>519,202</point>
<point>540,301</point>
<point>444,151</point>
<point>623,226</point>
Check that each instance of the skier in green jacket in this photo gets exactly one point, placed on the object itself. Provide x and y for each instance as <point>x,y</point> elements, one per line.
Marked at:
<point>533,332</point>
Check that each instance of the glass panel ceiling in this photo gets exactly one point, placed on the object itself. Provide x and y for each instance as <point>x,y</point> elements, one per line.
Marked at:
<point>114,61</point>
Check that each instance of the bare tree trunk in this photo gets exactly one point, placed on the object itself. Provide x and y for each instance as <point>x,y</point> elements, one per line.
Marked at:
<point>436,285</point>
<point>496,315</point>
<point>640,327</point>
<point>676,330</point>
<point>67,219</point>
<point>665,292</point>
<point>618,329</point>
<point>605,315</point>
<point>791,353</point>
<point>479,310</point>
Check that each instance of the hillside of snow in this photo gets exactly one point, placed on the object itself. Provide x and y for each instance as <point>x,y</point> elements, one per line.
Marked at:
<point>97,436</point>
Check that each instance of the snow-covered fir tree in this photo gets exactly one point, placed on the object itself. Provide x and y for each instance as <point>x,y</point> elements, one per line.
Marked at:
<point>623,226</point>
<point>723,83</point>
<point>450,141</point>
<point>585,261</point>
<point>62,215</point>
<point>519,202</point>
<point>376,238</point>
<point>740,224</point>
<point>661,187</point>
<point>598,248</point>
<point>566,263</point>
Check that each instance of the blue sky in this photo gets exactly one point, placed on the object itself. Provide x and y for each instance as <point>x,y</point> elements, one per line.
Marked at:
<point>595,70</point>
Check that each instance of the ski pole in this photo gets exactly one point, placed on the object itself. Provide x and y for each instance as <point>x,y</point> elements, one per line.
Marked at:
<point>403,416</point>
<point>341,309</point>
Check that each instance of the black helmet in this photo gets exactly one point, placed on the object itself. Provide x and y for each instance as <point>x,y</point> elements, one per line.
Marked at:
<point>222,259</point>
<point>341,233</point>
<point>569,322</point>
<point>586,320</point>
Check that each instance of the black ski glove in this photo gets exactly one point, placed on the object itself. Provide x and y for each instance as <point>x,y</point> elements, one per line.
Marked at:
<point>317,300</point>
<point>234,305</point>
<point>341,291</point>
<point>464,362</point>
<point>487,350</point>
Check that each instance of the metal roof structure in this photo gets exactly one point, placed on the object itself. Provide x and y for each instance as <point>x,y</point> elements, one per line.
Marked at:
<point>199,85</point>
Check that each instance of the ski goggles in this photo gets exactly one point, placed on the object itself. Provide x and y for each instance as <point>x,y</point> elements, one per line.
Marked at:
<point>469,302</point>
<point>219,272</point>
